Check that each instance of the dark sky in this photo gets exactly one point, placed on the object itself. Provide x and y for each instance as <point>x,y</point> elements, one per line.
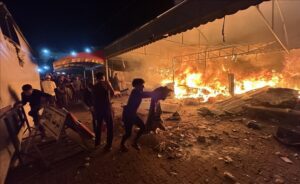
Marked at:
<point>63,25</point>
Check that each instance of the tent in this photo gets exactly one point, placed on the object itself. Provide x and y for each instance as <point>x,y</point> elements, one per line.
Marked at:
<point>201,30</point>
<point>80,60</point>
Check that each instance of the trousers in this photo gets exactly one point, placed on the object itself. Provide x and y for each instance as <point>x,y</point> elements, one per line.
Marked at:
<point>99,118</point>
<point>129,121</point>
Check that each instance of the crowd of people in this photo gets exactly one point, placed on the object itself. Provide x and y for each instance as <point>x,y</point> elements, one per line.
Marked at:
<point>64,90</point>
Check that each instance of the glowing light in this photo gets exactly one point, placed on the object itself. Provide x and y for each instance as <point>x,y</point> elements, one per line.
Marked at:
<point>46,51</point>
<point>64,73</point>
<point>46,67</point>
<point>87,50</point>
<point>73,53</point>
<point>40,70</point>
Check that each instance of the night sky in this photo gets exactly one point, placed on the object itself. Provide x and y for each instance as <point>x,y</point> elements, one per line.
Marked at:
<point>63,25</point>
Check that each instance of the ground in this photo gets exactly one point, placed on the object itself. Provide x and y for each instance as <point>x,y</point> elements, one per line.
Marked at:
<point>195,149</point>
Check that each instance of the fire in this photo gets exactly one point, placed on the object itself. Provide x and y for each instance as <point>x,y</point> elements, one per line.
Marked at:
<point>194,80</point>
<point>191,85</point>
<point>255,83</point>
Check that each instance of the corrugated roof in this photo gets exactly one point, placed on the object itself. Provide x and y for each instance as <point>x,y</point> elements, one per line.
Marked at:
<point>184,16</point>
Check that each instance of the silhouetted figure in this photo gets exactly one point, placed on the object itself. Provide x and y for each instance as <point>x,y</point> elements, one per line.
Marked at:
<point>116,82</point>
<point>77,86</point>
<point>154,120</point>
<point>130,116</point>
<point>102,109</point>
<point>36,99</point>
<point>88,95</point>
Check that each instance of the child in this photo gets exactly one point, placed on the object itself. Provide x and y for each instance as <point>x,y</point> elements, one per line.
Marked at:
<point>130,116</point>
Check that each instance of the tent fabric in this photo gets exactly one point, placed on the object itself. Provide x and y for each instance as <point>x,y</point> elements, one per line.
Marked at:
<point>81,60</point>
<point>185,16</point>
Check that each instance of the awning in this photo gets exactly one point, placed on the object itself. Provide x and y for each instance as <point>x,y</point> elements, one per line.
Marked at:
<point>184,16</point>
<point>81,60</point>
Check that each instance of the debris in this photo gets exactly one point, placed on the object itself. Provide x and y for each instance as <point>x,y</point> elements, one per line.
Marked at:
<point>87,158</point>
<point>87,164</point>
<point>288,137</point>
<point>214,137</point>
<point>278,179</point>
<point>208,130</point>
<point>228,160</point>
<point>229,176</point>
<point>173,173</point>
<point>253,124</point>
<point>159,155</point>
<point>192,101</point>
<point>286,159</point>
<point>175,117</point>
<point>296,155</point>
<point>266,97</point>
<point>201,139</point>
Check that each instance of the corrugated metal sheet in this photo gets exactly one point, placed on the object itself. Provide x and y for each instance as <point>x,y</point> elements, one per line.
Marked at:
<point>185,16</point>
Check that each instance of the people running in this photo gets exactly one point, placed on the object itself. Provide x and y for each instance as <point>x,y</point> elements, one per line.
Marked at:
<point>102,110</point>
<point>36,99</point>
<point>49,86</point>
<point>130,116</point>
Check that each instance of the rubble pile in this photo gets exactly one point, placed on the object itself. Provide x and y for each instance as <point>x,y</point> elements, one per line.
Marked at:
<point>276,100</point>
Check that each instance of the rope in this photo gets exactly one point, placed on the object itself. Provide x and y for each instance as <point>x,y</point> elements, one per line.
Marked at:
<point>223,29</point>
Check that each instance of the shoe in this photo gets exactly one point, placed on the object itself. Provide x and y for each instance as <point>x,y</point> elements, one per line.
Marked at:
<point>107,148</point>
<point>136,146</point>
<point>123,148</point>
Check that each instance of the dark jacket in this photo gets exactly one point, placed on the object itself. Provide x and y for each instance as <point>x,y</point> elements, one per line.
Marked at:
<point>101,93</point>
<point>35,99</point>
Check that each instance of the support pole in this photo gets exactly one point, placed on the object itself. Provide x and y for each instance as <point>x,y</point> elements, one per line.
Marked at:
<point>231,83</point>
<point>283,22</point>
<point>93,77</point>
<point>273,25</point>
<point>84,77</point>
<point>271,30</point>
<point>106,70</point>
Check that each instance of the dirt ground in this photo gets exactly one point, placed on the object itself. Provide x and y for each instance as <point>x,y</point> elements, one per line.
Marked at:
<point>195,149</point>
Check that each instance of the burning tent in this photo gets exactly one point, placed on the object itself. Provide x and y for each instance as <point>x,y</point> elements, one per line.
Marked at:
<point>205,56</point>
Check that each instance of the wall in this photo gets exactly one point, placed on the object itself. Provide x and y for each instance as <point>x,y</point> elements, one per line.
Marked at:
<point>12,77</point>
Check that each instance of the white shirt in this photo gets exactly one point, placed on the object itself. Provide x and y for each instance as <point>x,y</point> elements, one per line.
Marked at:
<point>48,87</point>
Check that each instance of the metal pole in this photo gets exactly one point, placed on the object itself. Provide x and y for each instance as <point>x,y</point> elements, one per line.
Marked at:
<point>173,71</point>
<point>84,77</point>
<point>272,31</point>
<point>283,22</point>
<point>273,14</point>
<point>93,77</point>
<point>106,70</point>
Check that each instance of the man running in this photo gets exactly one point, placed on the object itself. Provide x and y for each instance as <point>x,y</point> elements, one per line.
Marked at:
<point>130,116</point>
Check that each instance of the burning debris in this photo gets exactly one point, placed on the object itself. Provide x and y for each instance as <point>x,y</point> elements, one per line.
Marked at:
<point>266,98</point>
